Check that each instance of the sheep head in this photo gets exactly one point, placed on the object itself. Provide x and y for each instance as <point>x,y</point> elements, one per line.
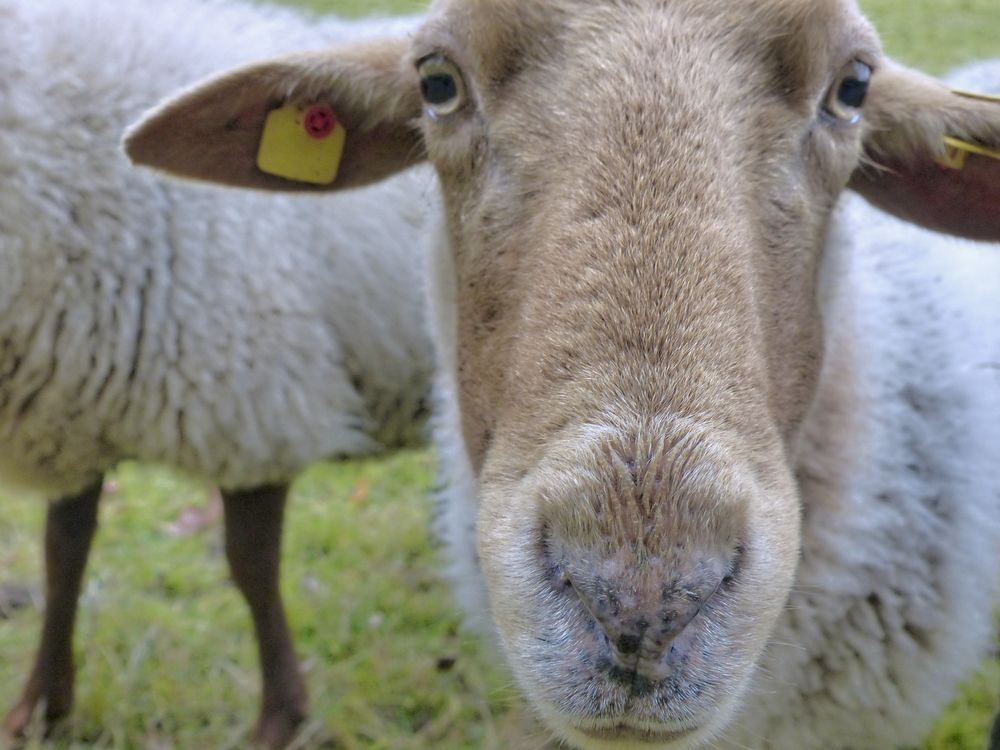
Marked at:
<point>637,197</point>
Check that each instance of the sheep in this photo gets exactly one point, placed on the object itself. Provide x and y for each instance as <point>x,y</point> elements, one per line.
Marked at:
<point>224,334</point>
<point>721,452</point>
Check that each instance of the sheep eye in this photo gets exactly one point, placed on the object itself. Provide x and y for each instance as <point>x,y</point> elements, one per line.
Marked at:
<point>441,85</point>
<point>847,95</point>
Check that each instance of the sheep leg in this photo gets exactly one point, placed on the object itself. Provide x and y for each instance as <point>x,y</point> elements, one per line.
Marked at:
<point>253,520</point>
<point>995,734</point>
<point>69,530</point>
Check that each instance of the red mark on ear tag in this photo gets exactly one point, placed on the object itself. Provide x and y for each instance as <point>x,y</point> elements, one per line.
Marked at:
<point>319,121</point>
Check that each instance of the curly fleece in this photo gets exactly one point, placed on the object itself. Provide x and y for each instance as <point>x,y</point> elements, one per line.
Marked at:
<point>236,336</point>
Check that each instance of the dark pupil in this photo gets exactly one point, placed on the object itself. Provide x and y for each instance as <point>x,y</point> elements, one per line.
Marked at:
<point>439,88</point>
<point>852,92</point>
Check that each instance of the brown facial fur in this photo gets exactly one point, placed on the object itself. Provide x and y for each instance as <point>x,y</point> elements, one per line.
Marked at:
<point>637,202</point>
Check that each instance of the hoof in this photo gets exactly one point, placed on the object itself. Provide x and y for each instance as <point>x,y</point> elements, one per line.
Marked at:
<point>17,722</point>
<point>275,731</point>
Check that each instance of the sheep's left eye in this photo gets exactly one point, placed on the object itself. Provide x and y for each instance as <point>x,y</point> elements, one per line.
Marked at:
<point>441,85</point>
<point>846,97</point>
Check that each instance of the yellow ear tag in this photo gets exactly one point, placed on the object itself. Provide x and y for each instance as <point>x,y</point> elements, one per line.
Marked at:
<point>304,144</point>
<point>957,152</point>
<point>976,95</point>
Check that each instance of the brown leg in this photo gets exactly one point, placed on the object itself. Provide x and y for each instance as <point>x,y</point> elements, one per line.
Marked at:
<point>69,529</point>
<point>253,548</point>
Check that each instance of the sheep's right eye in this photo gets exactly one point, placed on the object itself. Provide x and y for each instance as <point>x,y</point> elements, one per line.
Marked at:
<point>441,85</point>
<point>847,96</point>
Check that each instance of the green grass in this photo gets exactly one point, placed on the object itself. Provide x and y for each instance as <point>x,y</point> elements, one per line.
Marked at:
<point>166,656</point>
<point>934,35</point>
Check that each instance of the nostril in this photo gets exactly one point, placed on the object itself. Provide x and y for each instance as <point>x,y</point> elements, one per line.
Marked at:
<point>735,563</point>
<point>555,558</point>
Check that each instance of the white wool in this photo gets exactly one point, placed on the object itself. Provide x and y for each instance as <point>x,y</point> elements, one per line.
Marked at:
<point>459,488</point>
<point>235,335</point>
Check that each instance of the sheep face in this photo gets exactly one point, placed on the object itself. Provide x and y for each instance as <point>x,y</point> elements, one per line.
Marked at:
<point>637,195</point>
<point>637,203</point>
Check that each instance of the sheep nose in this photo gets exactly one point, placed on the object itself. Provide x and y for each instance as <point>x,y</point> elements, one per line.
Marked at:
<point>643,610</point>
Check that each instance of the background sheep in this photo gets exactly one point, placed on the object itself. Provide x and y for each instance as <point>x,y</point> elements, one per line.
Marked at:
<point>226,334</point>
<point>617,418</point>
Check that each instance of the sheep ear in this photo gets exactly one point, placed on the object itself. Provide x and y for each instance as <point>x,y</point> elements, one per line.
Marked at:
<point>911,171</point>
<point>348,111</point>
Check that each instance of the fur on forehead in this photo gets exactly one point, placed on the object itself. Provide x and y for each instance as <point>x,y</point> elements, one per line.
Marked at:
<point>805,37</point>
<point>501,34</point>
<point>814,38</point>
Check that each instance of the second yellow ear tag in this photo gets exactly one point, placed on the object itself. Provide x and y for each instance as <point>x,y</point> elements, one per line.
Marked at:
<point>957,152</point>
<point>304,144</point>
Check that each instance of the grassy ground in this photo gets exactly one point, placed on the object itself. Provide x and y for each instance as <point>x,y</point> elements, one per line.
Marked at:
<point>166,655</point>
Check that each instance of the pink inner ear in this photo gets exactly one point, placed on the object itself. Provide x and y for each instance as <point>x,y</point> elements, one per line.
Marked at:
<point>964,202</point>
